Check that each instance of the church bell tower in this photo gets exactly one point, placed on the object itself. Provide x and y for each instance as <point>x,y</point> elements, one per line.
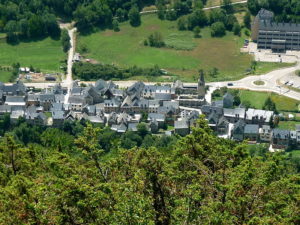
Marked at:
<point>201,86</point>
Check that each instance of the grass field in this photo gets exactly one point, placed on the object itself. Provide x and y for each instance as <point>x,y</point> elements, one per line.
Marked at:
<point>257,100</point>
<point>44,54</point>
<point>289,125</point>
<point>5,75</point>
<point>126,48</point>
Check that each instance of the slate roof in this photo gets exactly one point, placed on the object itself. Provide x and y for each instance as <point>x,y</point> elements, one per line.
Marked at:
<point>58,115</point>
<point>237,112</point>
<point>112,102</point>
<point>238,127</point>
<point>264,14</point>
<point>251,129</point>
<point>182,124</point>
<point>228,97</point>
<point>281,134</point>
<point>156,116</point>
<point>76,99</point>
<point>213,118</point>
<point>132,126</point>
<point>207,109</point>
<point>5,108</point>
<point>57,107</point>
<point>162,96</point>
<point>100,85</point>
<point>174,104</point>
<point>47,97</point>
<point>15,99</point>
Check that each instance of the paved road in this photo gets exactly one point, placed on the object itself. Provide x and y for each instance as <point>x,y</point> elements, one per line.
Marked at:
<point>271,83</point>
<point>69,80</point>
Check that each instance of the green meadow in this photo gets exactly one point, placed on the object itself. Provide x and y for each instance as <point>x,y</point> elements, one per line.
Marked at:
<point>183,55</point>
<point>44,54</point>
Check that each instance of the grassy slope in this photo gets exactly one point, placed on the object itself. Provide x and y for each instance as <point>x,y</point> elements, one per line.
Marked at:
<point>45,54</point>
<point>126,48</point>
<point>5,75</point>
<point>257,100</point>
<point>289,125</point>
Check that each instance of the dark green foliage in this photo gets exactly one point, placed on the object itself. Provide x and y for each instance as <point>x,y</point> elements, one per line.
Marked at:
<point>87,71</point>
<point>156,40</point>
<point>247,20</point>
<point>199,179</point>
<point>285,10</point>
<point>197,18</point>
<point>181,23</point>
<point>270,105</point>
<point>218,29</point>
<point>197,31</point>
<point>115,25</point>
<point>227,5</point>
<point>65,40</point>
<point>134,17</point>
<point>236,29</point>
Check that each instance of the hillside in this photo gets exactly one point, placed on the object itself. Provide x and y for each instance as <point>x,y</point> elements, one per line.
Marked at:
<point>58,178</point>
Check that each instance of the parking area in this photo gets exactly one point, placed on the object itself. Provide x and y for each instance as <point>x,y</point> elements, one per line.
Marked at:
<point>269,56</point>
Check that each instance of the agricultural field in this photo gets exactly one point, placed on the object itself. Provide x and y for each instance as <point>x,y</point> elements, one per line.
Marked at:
<point>183,56</point>
<point>44,54</point>
<point>257,100</point>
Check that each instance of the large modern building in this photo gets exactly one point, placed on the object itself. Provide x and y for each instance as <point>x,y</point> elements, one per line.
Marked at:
<point>278,37</point>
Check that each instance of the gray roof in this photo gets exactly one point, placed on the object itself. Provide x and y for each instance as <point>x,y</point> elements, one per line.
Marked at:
<point>100,84</point>
<point>237,112</point>
<point>228,97</point>
<point>57,107</point>
<point>156,116</point>
<point>5,108</point>
<point>284,27</point>
<point>58,115</point>
<point>153,103</point>
<point>251,129</point>
<point>76,99</point>
<point>213,118</point>
<point>174,104</point>
<point>182,124</point>
<point>264,14</point>
<point>239,127</point>
<point>112,102</point>
<point>47,97</point>
<point>59,98</point>
<point>33,97</point>
<point>16,99</point>
<point>281,134</point>
<point>162,96</point>
<point>207,109</point>
<point>132,126</point>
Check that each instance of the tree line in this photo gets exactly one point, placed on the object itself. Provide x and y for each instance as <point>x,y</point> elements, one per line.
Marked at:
<point>285,10</point>
<point>81,174</point>
<point>35,19</point>
<point>88,71</point>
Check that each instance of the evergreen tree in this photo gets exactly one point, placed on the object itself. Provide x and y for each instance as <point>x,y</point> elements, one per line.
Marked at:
<point>134,16</point>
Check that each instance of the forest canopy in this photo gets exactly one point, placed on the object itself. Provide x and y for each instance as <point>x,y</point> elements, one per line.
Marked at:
<point>81,174</point>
